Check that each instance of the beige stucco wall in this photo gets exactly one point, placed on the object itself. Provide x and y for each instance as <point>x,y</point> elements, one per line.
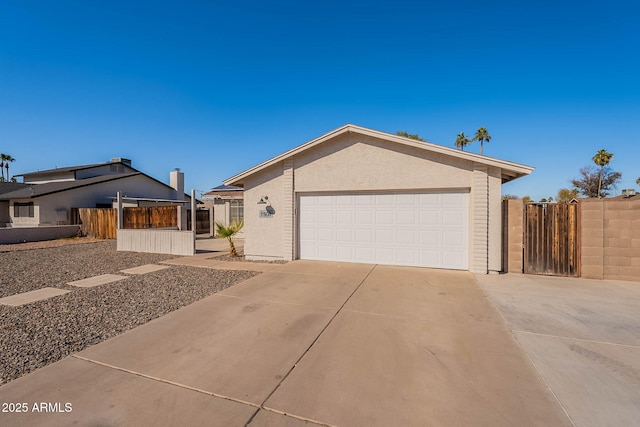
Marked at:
<point>263,236</point>
<point>610,239</point>
<point>353,162</point>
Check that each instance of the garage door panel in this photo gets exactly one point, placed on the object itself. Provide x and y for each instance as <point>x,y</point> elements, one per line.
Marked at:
<point>429,218</point>
<point>384,236</point>
<point>364,217</point>
<point>422,229</point>
<point>406,237</point>
<point>344,201</point>
<point>326,252</point>
<point>384,217</point>
<point>325,235</point>
<point>344,253</point>
<point>454,259</point>
<point>406,217</point>
<point>430,258</point>
<point>384,200</point>
<point>344,235</point>
<point>363,254</point>
<point>384,255</point>
<point>364,200</point>
<point>452,238</point>
<point>454,218</point>
<point>325,217</point>
<point>428,200</point>
<point>344,217</point>
<point>364,236</point>
<point>429,238</point>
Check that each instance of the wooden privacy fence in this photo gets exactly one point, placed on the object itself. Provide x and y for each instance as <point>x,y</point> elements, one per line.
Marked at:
<point>551,239</point>
<point>152,217</point>
<point>202,221</point>
<point>102,223</point>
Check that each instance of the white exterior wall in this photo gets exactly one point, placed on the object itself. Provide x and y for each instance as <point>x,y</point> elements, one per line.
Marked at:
<point>87,197</point>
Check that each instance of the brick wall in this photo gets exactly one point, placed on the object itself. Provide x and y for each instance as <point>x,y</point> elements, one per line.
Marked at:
<point>610,238</point>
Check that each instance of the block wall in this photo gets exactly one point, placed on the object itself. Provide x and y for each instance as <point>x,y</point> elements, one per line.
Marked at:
<point>512,249</point>
<point>610,239</point>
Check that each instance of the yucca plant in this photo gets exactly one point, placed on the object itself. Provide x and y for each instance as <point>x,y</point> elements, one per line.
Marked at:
<point>228,231</point>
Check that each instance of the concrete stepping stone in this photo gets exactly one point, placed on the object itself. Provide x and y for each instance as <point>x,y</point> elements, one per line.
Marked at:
<point>32,296</point>
<point>97,280</point>
<point>144,269</point>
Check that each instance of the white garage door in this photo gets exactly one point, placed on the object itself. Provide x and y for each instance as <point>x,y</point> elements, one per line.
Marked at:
<point>417,229</point>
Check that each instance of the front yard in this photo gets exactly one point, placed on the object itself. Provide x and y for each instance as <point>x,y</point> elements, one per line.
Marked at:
<point>40,333</point>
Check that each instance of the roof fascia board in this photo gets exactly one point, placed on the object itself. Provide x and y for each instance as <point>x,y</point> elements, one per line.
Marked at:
<point>490,161</point>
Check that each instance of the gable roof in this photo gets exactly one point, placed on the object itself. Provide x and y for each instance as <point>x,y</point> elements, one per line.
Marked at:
<point>510,170</point>
<point>77,168</point>
<point>30,191</point>
<point>8,187</point>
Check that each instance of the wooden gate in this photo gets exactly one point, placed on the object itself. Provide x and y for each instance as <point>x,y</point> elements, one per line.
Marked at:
<point>551,239</point>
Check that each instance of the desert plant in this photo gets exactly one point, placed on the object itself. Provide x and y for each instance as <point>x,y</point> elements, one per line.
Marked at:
<point>227,232</point>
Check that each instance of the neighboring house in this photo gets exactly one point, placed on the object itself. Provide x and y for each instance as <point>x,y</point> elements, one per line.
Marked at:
<point>47,197</point>
<point>360,195</point>
<point>7,187</point>
<point>227,202</point>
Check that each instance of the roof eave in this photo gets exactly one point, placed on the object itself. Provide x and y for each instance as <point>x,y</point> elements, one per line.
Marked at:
<point>518,170</point>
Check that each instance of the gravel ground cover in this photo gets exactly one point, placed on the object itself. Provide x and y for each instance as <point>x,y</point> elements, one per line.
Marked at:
<point>43,332</point>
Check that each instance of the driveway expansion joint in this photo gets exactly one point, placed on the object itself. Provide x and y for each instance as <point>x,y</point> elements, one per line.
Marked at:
<point>165,381</point>
<point>575,339</point>
<point>284,377</point>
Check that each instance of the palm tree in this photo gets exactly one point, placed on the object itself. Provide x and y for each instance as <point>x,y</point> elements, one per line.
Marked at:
<point>638,181</point>
<point>7,160</point>
<point>228,232</point>
<point>462,140</point>
<point>4,163</point>
<point>482,135</point>
<point>602,159</point>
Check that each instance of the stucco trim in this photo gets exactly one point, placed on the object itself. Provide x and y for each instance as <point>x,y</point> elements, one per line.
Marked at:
<point>509,170</point>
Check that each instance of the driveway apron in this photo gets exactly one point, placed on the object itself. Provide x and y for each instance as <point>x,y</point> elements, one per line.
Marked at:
<point>306,343</point>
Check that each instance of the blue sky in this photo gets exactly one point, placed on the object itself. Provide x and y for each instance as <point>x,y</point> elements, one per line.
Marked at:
<point>216,87</point>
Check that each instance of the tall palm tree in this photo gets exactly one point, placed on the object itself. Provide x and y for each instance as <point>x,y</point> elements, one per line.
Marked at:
<point>2,156</point>
<point>7,160</point>
<point>462,140</point>
<point>482,135</point>
<point>602,159</point>
<point>638,181</point>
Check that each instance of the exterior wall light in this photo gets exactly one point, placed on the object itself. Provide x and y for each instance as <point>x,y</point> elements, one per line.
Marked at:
<point>262,200</point>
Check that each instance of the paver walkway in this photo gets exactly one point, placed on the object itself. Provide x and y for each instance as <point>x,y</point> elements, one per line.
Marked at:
<point>306,343</point>
<point>32,296</point>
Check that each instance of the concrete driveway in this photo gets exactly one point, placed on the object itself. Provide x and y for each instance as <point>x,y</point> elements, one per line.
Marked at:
<point>308,343</point>
<point>583,337</point>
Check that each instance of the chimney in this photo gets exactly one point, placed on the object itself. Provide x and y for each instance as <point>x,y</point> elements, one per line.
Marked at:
<point>176,181</point>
